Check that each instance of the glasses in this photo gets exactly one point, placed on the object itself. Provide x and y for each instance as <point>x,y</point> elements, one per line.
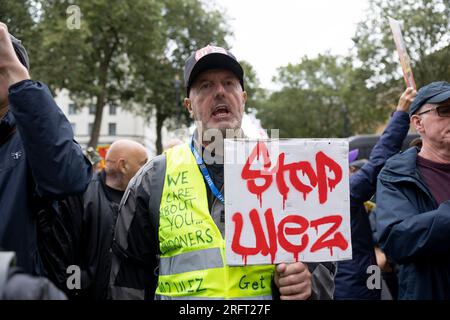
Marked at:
<point>442,111</point>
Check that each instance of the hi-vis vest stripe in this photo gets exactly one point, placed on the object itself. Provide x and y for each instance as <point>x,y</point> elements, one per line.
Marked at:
<point>192,263</point>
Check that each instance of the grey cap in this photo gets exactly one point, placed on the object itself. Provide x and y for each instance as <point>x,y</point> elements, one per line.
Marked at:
<point>20,51</point>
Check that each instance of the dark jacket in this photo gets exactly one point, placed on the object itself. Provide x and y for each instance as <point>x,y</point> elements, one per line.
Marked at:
<point>413,230</point>
<point>134,271</point>
<point>351,277</point>
<point>82,235</point>
<point>39,162</point>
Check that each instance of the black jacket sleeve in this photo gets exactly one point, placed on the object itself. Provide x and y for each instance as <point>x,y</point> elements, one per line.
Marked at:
<point>363,183</point>
<point>57,163</point>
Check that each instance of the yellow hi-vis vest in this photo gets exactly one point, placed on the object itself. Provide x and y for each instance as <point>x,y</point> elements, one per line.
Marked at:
<point>192,263</point>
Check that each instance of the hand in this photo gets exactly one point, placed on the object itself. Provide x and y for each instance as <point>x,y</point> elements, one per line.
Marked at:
<point>293,280</point>
<point>406,99</point>
<point>11,70</point>
<point>382,262</point>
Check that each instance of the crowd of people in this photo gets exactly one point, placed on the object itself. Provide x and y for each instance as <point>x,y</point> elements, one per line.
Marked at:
<point>58,211</point>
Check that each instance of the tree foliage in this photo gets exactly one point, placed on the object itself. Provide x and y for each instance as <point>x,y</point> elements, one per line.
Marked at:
<point>426,25</point>
<point>331,96</point>
<point>159,85</point>
<point>321,97</point>
<point>255,94</point>
<point>126,52</point>
<point>20,16</point>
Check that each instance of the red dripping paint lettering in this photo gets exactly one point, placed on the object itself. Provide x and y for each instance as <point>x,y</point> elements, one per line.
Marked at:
<point>268,244</point>
<point>317,178</point>
<point>338,239</point>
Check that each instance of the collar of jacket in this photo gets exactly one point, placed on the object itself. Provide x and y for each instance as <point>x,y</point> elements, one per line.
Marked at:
<point>402,167</point>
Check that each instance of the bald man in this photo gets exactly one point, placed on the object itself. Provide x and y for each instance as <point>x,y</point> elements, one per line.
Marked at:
<point>123,159</point>
<point>82,235</point>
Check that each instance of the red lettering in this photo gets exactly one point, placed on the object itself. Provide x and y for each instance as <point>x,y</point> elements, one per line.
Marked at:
<point>270,222</point>
<point>316,178</point>
<point>251,175</point>
<point>301,166</point>
<point>277,235</point>
<point>337,241</point>
<point>322,162</point>
<point>261,244</point>
<point>285,244</point>
<point>235,244</point>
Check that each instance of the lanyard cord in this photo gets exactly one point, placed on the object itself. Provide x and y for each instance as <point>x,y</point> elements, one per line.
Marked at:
<point>205,173</point>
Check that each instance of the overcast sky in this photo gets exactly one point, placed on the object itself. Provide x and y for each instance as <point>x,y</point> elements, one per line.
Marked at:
<point>272,33</point>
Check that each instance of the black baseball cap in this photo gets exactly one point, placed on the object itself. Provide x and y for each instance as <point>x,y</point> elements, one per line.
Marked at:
<point>20,51</point>
<point>435,92</point>
<point>211,57</point>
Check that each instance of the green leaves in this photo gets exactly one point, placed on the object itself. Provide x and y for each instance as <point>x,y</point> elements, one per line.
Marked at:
<point>331,96</point>
<point>426,25</point>
<point>321,97</point>
<point>127,52</point>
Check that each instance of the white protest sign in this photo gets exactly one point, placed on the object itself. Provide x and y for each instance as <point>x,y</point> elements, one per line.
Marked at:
<point>286,200</point>
<point>405,61</point>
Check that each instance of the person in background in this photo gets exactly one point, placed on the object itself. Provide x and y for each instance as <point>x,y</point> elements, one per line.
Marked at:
<point>413,201</point>
<point>351,278</point>
<point>83,235</point>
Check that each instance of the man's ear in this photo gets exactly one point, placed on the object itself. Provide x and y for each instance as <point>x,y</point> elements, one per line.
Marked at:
<point>122,166</point>
<point>417,123</point>
<point>244,96</point>
<point>188,105</point>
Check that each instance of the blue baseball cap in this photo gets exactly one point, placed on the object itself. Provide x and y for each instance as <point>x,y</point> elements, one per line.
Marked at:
<point>435,92</point>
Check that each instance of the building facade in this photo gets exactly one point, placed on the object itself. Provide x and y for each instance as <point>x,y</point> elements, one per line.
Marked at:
<point>117,123</point>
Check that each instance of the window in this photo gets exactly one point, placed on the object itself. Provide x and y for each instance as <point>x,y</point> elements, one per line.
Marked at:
<point>91,125</point>
<point>112,129</point>
<point>112,109</point>
<point>72,108</point>
<point>74,126</point>
<point>92,108</point>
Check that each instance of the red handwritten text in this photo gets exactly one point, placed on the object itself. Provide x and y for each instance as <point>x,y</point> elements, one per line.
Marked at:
<point>289,225</point>
<point>317,178</point>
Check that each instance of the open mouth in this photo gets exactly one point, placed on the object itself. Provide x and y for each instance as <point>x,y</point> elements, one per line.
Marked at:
<point>221,111</point>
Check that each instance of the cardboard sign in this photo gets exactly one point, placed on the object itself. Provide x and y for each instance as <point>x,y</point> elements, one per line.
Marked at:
<point>405,61</point>
<point>286,200</point>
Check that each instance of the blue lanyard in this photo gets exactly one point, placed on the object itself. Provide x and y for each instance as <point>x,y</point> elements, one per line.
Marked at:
<point>205,174</point>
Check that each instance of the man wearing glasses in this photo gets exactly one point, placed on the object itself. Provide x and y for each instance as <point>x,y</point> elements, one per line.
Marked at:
<point>413,201</point>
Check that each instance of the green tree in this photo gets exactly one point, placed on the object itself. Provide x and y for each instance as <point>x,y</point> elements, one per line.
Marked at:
<point>321,97</point>
<point>159,84</point>
<point>255,94</point>
<point>20,16</point>
<point>94,61</point>
<point>129,52</point>
<point>426,25</point>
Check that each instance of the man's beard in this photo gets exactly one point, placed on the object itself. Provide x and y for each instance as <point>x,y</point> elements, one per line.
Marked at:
<point>218,134</point>
<point>212,140</point>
